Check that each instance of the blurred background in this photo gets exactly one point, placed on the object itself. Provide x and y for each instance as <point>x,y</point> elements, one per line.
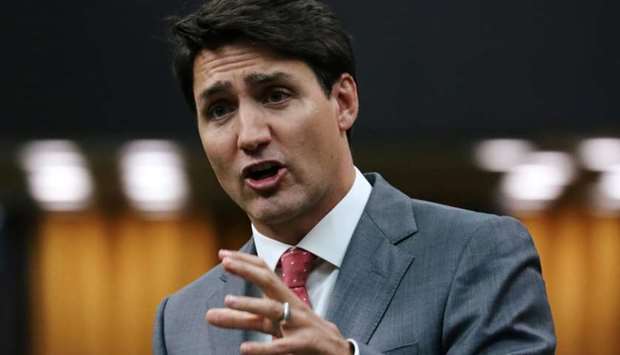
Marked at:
<point>107,203</point>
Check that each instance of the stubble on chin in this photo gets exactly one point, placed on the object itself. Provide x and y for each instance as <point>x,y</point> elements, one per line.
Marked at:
<point>276,210</point>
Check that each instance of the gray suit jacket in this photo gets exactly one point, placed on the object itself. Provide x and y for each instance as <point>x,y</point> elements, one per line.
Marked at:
<point>417,278</point>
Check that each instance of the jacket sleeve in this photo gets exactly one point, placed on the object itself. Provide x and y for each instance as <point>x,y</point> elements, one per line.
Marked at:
<point>159,341</point>
<point>497,303</point>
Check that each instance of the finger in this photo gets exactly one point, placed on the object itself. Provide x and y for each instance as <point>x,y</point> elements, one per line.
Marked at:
<point>252,259</point>
<point>265,307</point>
<point>275,347</point>
<point>234,319</point>
<point>265,279</point>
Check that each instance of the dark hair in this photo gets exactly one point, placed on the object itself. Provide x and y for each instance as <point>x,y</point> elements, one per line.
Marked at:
<point>301,29</point>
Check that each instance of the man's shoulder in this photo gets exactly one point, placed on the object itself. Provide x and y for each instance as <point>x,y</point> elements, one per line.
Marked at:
<point>428,213</point>
<point>182,313</point>
<point>435,221</point>
<point>460,226</point>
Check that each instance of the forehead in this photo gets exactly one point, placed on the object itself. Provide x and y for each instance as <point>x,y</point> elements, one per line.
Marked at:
<point>240,59</point>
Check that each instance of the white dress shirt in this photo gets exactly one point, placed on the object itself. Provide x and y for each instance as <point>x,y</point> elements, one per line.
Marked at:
<point>328,240</point>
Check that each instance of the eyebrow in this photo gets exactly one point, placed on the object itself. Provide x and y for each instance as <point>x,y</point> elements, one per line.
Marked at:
<point>250,80</point>
<point>217,88</point>
<point>262,79</point>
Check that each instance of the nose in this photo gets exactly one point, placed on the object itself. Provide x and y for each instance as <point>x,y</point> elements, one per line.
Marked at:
<point>254,130</point>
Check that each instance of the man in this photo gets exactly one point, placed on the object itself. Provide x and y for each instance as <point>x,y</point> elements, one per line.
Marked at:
<point>338,262</point>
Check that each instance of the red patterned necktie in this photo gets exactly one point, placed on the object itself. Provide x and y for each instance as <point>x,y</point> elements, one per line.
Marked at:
<point>296,265</point>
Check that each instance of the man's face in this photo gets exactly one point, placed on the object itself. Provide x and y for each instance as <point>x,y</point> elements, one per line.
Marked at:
<point>275,141</point>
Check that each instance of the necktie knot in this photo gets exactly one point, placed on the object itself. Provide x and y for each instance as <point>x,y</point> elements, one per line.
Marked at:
<point>296,265</point>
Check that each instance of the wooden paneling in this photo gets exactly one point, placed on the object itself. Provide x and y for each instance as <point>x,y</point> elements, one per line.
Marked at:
<point>580,255</point>
<point>97,282</point>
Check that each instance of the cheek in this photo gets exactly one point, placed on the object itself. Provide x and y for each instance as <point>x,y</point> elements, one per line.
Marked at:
<point>222,168</point>
<point>320,131</point>
<point>215,152</point>
<point>217,160</point>
<point>316,123</point>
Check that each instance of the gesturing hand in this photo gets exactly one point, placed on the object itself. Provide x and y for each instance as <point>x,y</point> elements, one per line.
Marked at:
<point>303,333</point>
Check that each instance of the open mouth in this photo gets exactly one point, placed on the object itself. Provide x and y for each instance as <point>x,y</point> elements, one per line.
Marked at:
<point>262,171</point>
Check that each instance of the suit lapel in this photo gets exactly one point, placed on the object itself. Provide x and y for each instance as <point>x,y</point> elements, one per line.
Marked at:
<point>373,266</point>
<point>227,341</point>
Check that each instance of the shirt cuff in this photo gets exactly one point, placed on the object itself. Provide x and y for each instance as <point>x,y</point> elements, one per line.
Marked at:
<point>355,347</point>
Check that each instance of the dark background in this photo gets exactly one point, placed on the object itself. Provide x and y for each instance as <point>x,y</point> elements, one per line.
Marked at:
<point>428,70</point>
<point>14,229</point>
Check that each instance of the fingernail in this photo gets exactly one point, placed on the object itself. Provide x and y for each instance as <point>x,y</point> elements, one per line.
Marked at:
<point>224,253</point>
<point>229,299</point>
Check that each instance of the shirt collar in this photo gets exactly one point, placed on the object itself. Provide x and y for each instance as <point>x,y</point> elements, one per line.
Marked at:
<point>328,239</point>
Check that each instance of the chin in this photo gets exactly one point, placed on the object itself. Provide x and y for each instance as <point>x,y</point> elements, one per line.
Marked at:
<point>270,216</point>
<point>274,212</point>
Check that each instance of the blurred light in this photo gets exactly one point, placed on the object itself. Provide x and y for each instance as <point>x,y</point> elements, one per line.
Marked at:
<point>610,183</point>
<point>607,191</point>
<point>57,173</point>
<point>562,163</point>
<point>598,154</point>
<point>537,182</point>
<point>500,155</point>
<point>154,176</point>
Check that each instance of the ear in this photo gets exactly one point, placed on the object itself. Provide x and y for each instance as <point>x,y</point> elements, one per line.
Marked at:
<point>344,91</point>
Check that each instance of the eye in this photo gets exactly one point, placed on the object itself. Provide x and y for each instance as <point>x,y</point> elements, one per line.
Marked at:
<point>219,109</point>
<point>276,96</point>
